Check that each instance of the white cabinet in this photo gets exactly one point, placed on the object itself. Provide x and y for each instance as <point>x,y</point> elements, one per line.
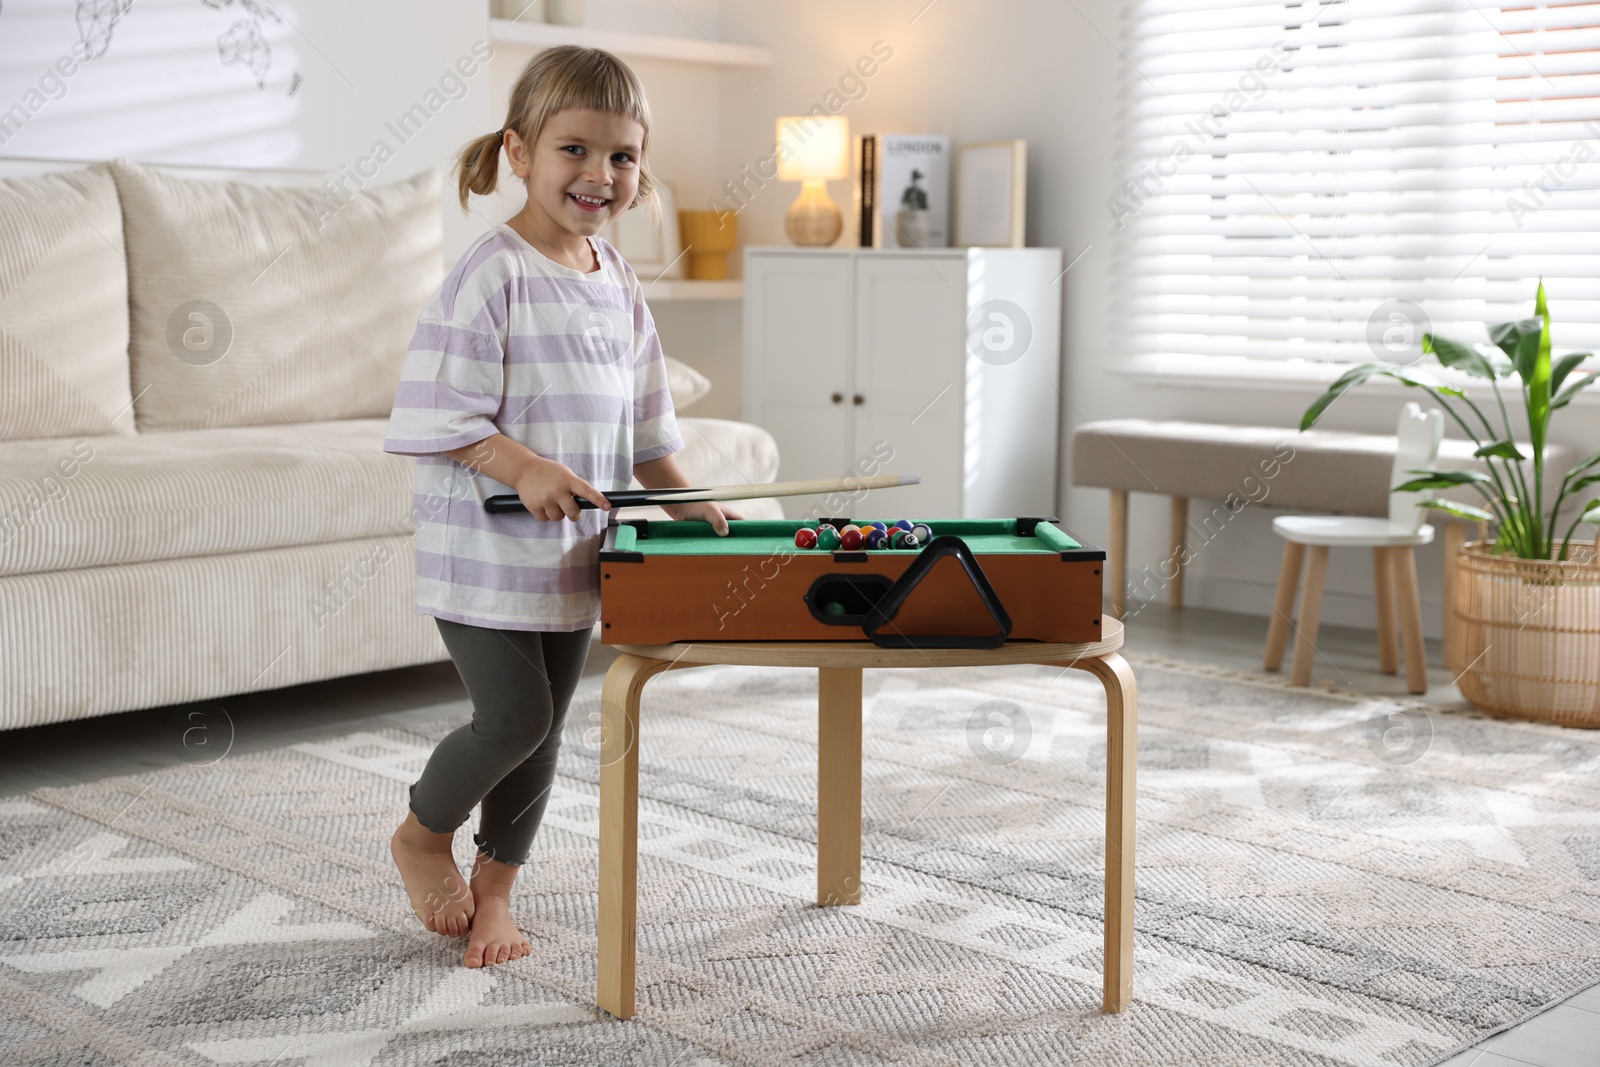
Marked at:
<point>943,362</point>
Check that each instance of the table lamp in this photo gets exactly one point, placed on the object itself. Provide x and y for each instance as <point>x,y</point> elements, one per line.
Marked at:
<point>818,149</point>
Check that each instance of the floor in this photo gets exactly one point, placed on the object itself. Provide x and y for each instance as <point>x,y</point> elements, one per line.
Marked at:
<point>1567,1035</point>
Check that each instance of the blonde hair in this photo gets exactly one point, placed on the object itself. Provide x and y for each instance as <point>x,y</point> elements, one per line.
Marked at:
<point>554,80</point>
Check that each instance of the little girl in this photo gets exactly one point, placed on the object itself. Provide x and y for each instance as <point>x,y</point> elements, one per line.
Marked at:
<point>535,369</point>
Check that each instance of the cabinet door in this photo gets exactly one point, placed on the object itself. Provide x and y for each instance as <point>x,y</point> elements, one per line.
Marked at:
<point>909,373</point>
<point>798,310</point>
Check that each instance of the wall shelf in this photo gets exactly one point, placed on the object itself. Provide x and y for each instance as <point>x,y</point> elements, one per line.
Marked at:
<point>630,45</point>
<point>685,289</point>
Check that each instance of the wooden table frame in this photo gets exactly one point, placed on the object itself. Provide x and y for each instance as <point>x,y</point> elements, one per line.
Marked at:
<point>839,665</point>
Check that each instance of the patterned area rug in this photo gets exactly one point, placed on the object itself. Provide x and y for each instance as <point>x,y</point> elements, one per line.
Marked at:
<point>1321,880</point>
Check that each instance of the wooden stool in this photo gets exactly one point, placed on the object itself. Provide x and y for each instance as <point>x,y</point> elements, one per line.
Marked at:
<point>839,665</point>
<point>1394,562</point>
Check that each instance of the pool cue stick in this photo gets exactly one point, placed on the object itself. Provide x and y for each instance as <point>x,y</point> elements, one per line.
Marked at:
<point>629,498</point>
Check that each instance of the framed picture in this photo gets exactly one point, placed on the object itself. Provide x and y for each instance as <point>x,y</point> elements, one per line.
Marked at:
<point>991,194</point>
<point>651,248</point>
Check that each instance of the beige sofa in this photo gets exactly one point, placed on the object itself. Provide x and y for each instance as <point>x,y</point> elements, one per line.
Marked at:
<point>195,380</point>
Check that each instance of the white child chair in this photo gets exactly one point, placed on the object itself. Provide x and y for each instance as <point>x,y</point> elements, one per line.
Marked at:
<point>1394,564</point>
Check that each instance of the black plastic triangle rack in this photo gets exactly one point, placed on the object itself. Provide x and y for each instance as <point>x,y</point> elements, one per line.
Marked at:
<point>883,611</point>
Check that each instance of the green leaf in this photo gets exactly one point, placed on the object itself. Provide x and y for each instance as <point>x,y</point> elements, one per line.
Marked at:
<point>1583,483</point>
<point>1460,511</point>
<point>1573,389</point>
<point>1593,514</point>
<point>1591,461</point>
<point>1520,341</point>
<point>1537,381</point>
<point>1442,480</point>
<point>1564,366</point>
<point>1506,449</point>
<point>1348,380</point>
<point>1356,375</point>
<point>1461,356</point>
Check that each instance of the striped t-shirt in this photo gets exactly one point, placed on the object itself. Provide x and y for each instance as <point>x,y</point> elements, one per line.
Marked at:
<point>562,361</point>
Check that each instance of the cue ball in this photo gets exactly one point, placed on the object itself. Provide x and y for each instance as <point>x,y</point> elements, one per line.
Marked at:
<point>827,538</point>
<point>805,537</point>
<point>833,607</point>
<point>850,538</point>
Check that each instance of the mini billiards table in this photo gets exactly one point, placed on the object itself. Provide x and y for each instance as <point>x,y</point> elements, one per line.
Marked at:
<point>976,584</point>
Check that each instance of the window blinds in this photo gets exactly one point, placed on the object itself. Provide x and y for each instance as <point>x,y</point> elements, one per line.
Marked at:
<point>1323,181</point>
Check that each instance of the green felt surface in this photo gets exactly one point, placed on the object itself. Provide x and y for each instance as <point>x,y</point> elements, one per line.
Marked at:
<point>695,538</point>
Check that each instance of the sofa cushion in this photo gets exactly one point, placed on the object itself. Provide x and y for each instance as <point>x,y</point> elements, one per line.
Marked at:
<point>111,500</point>
<point>261,304</point>
<point>63,307</point>
<point>685,384</point>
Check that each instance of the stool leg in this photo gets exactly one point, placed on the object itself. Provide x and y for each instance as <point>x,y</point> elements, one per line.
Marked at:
<point>1305,645</point>
<point>1179,528</point>
<point>838,785</point>
<point>1122,749</point>
<point>1118,551</point>
<point>1383,583</point>
<point>1283,604</point>
<point>1405,566</point>
<point>619,828</point>
<point>1455,535</point>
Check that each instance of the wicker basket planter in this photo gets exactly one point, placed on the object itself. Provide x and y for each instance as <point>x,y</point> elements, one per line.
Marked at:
<point>1530,635</point>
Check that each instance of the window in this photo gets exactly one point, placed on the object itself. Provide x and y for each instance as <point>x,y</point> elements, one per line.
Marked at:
<point>1323,181</point>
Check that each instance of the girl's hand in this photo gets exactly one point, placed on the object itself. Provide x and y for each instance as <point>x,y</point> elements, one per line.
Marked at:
<point>547,488</point>
<point>706,511</point>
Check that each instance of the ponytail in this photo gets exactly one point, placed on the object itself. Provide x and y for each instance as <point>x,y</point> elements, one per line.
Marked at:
<point>479,166</point>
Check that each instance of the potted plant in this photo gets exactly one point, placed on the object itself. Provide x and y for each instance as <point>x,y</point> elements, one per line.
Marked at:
<point>1527,600</point>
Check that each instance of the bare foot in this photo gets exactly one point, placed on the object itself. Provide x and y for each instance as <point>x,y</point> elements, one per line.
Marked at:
<point>440,897</point>
<point>495,937</point>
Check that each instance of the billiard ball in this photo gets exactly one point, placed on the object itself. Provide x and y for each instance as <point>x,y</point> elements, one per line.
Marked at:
<point>850,538</point>
<point>875,538</point>
<point>904,524</point>
<point>923,531</point>
<point>833,607</point>
<point>827,538</point>
<point>805,537</point>
<point>897,538</point>
<point>910,540</point>
<point>878,524</point>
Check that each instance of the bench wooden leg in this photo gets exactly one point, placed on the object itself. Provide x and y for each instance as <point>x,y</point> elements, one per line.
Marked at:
<point>1122,745</point>
<point>619,828</point>
<point>1294,554</point>
<point>1405,567</point>
<point>1455,535</point>
<point>1118,551</point>
<point>1383,584</point>
<point>1179,527</point>
<point>838,785</point>
<point>1305,644</point>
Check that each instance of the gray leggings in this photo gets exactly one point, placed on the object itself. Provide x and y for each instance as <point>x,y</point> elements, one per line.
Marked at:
<point>520,682</point>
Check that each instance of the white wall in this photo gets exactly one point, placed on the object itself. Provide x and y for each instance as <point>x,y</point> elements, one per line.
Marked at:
<point>1048,72</point>
<point>389,54</point>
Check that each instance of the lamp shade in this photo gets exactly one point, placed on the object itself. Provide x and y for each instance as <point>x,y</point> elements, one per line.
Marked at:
<point>811,147</point>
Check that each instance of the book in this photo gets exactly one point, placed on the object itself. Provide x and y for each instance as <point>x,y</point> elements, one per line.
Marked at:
<point>910,192</point>
<point>866,189</point>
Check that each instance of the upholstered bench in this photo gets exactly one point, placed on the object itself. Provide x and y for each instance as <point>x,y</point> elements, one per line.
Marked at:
<point>1325,471</point>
